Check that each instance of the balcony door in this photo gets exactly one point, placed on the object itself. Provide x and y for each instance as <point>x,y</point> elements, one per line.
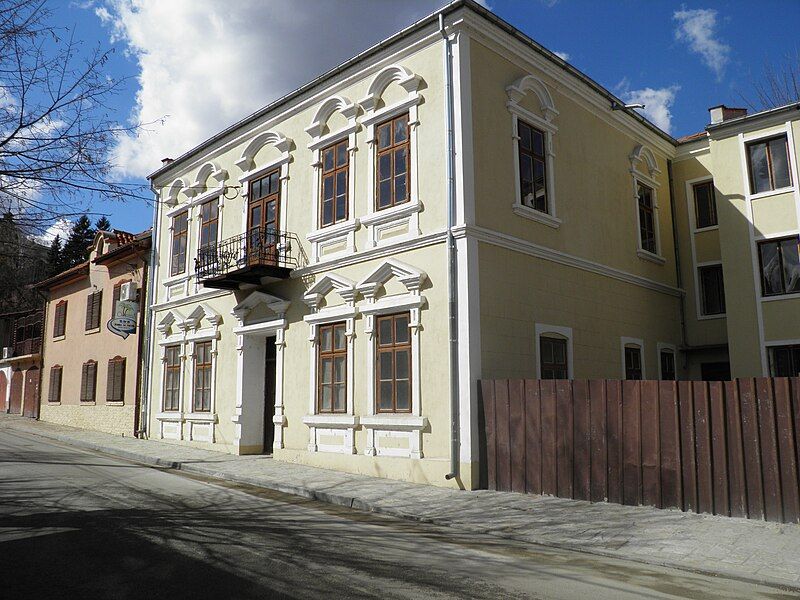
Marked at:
<point>263,210</point>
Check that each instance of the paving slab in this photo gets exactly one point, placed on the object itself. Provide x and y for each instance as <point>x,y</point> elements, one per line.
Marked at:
<point>749,550</point>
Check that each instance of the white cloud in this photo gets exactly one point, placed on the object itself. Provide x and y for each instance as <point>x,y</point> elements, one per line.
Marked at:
<point>203,65</point>
<point>562,55</point>
<point>697,27</point>
<point>657,103</point>
<point>62,227</point>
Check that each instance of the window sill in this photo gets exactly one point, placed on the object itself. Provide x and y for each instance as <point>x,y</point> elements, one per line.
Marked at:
<point>390,214</point>
<point>87,403</point>
<point>173,279</point>
<point>654,258</point>
<point>527,212</point>
<point>56,403</point>
<point>59,338</point>
<point>92,331</point>
<point>201,417</point>
<point>767,194</point>
<point>711,317</point>
<point>175,416</point>
<point>115,403</point>
<point>332,231</point>
<point>395,422</point>
<point>774,297</point>
<point>704,229</point>
<point>331,421</point>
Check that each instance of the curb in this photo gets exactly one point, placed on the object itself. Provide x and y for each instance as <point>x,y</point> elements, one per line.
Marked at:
<point>365,506</point>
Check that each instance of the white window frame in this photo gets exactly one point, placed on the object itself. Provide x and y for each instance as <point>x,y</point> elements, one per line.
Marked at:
<point>627,342</point>
<point>642,155</point>
<point>557,331</point>
<point>665,347</point>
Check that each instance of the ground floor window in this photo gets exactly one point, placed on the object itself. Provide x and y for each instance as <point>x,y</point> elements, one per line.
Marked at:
<point>54,394</point>
<point>172,378</point>
<point>393,364</point>
<point>553,358</point>
<point>115,387</point>
<point>202,377</point>
<point>88,381</point>
<point>633,362</point>
<point>332,369</point>
<point>667,359</point>
<point>784,361</point>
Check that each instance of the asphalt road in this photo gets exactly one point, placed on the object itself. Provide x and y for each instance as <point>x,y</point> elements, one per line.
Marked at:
<point>75,524</point>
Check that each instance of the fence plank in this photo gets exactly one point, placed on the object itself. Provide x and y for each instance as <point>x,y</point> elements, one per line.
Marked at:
<point>533,438</point>
<point>503,435</point>
<point>564,423</point>
<point>651,455</point>
<point>487,394</point>
<point>769,450</point>
<point>751,449</point>
<point>582,459</point>
<point>548,399</point>
<point>614,422</point>
<point>631,443</point>
<point>737,484</point>
<point>598,446</point>
<point>786,451</point>
<point>516,401</point>
<point>688,459</point>
<point>702,432</point>
<point>671,488</point>
<point>719,452</point>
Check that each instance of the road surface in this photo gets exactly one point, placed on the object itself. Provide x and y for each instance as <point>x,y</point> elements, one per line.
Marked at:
<point>77,524</point>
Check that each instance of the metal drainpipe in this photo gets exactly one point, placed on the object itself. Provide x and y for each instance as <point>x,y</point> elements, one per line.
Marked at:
<point>678,274</point>
<point>144,408</point>
<point>452,283</point>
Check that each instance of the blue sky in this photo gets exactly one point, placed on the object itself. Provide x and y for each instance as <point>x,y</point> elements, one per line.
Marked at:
<point>203,64</point>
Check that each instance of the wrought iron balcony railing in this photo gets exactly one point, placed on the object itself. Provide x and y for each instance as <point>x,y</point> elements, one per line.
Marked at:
<point>247,258</point>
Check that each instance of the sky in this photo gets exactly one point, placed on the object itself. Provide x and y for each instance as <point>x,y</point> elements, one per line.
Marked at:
<point>196,66</point>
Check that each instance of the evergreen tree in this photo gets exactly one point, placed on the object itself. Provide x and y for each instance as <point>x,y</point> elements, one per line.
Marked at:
<point>76,248</point>
<point>55,257</point>
<point>102,224</point>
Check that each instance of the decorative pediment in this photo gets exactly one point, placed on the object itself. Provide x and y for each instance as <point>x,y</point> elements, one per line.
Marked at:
<point>279,306</point>
<point>333,104</point>
<point>267,138</point>
<point>200,312</point>
<point>409,81</point>
<point>410,277</point>
<point>343,286</point>
<point>209,169</point>
<point>528,83</point>
<point>643,155</point>
<point>171,198</point>
<point>173,317</point>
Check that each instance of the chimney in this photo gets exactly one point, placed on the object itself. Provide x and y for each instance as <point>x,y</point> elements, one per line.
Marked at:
<point>724,113</point>
<point>166,161</point>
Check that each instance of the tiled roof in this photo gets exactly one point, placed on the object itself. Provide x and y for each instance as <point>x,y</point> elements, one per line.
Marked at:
<point>690,138</point>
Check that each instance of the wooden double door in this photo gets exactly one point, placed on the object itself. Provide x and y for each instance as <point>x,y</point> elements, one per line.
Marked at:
<point>263,213</point>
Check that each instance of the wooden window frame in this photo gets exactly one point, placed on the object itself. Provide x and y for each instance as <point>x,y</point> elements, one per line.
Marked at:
<point>332,355</point>
<point>208,224</point>
<point>770,168</point>
<point>116,368</point>
<point>703,308</point>
<point>60,320</point>
<point>779,245</point>
<point>391,149</point>
<point>543,366</point>
<point>179,236</point>
<point>542,158</point>
<point>56,381</point>
<point>393,348</point>
<point>202,367</point>
<point>713,205</point>
<point>643,211</point>
<point>88,391</point>
<point>629,369</point>
<point>333,174</point>
<point>172,394</point>
<point>94,310</point>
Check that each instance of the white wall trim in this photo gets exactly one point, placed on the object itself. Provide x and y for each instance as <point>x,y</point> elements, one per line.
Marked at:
<point>541,329</point>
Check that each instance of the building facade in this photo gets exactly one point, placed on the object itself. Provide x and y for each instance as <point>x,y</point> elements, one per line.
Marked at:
<point>92,364</point>
<point>334,274</point>
<point>20,362</point>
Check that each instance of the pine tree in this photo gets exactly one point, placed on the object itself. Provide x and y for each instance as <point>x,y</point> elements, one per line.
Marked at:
<point>76,248</point>
<point>55,257</point>
<point>103,224</point>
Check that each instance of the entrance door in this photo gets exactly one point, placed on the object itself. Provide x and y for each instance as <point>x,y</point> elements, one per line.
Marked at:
<point>31,400</point>
<point>15,404</point>
<point>263,209</point>
<point>269,394</point>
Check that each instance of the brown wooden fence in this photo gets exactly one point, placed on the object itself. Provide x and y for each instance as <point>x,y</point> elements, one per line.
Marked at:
<point>727,448</point>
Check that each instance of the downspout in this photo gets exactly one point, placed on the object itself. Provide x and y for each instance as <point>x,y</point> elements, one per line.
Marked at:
<point>141,346</point>
<point>678,274</point>
<point>452,282</point>
<point>151,272</point>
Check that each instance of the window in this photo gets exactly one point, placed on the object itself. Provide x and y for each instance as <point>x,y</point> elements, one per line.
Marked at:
<point>769,165</point>
<point>712,290</point>
<point>647,226</point>
<point>180,227</point>
<point>532,167</point>
<point>332,369</point>
<point>115,386</point>
<point>705,205</point>
<point>633,362</point>
<point>54,395</point>
<point>202,377</point>
<point>393,162</point>
<point>784,361</point>
<point>553,359</point>
<point>780,266</point>
<point>209,218</point>
<point>93,308</point>
<point>172,378</point>
<point>393,366</point>
<point>667,358</point>
<point>335,168</point>
<point>60,319</point>
<point>88,381</point>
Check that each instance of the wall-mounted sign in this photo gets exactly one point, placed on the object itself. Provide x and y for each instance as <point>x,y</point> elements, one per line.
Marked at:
<point>124,322</point>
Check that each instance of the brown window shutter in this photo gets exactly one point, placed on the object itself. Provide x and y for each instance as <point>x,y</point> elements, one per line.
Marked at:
<point>84,380</point>
<point>92,380</point>
<point>89,304</point>
<point>117,294</point>
<point>55,385</point>
<point>60,321</point>
<point>115,389</point>
<point>97,304</point>
<point>112,367</point>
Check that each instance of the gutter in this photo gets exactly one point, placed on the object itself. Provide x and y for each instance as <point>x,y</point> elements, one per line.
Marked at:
<point>452,279</point>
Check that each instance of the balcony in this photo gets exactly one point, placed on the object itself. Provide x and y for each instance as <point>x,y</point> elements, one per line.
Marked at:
<point>260,256</point>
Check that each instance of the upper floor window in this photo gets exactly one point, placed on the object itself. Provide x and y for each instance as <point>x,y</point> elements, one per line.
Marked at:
<point>784,361</point>
<point>60,319</point>
<point>780,266</point>
<point>335,168</point>
<point>712,290</point>
<point>180,227</point>
<point>633,362</point>
<point>94,304</point>
<point>332,369</point>
<point>172,378</point>
<point>769,164</point>
<point>532,167</point>
<point>393,163</point>
<point>393,366</point>
<point>209,220</point>
<point>553,358</point>
<point>202,377</point>
<point>705,205</point>
<point>647,221</point>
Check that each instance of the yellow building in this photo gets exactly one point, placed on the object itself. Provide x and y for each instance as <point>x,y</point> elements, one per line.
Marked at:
<point>335,273</point>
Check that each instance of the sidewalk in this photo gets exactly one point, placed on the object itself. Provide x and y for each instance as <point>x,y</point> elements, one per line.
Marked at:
<point>754,551</point>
